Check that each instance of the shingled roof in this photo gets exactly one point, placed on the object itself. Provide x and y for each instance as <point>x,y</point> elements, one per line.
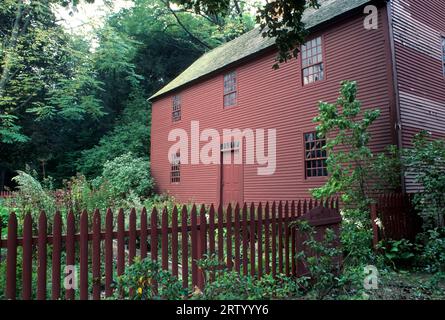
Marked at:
<point>253,42</point>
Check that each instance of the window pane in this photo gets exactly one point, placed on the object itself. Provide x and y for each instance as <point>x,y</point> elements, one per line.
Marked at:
<point>175,174</point>
<point>176,108</point>
<point>315,155</point>
<point>312,60</point>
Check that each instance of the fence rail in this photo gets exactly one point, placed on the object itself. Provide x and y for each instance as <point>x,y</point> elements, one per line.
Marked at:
<point>252,239</point>
<point>5,194</point>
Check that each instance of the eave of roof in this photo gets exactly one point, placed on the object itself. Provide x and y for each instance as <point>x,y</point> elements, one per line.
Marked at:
<point>253,42</point>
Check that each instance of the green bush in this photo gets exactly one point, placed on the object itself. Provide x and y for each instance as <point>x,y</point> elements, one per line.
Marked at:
<point>397,252</point>
<point>127,174</point>
<point>426,161</point>
<point>231,285</point>
<point>4,214</point>
<point>432,250</point>
<point>356,236</point>
<point>139,278</point>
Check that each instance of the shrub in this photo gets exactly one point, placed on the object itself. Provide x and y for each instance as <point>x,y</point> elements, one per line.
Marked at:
<point>432,250</point>
<point>426,161</point>
<point>349,165</point>
<point>397,252</point>
<point>139,278</point>
<point>231,285</point>
<point>126,174</point>
<point>356,236</point>
<point>4,214</point>
<point>322,262</point>
<point>32,197</point>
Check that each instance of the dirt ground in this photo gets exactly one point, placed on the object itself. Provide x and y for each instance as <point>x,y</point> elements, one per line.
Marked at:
<point>408,286</point>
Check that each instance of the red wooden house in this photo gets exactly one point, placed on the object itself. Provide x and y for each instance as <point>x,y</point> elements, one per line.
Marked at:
<point>398,64</point>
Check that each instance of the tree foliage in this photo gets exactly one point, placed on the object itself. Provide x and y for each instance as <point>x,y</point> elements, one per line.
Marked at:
<point>349,154</point>
<point>426,162</point>
<point>279,19</point>
<point>349,161</point>
<point>71,105</point>
<point>42,72</point>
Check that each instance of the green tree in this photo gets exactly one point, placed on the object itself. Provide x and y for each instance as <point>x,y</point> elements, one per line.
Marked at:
<point>41,72</point>
<point>349,155</point>
<point>349,160</point>
<point>279,19</point>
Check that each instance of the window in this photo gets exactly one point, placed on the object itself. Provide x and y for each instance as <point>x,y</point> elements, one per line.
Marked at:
<point>175,171</point>
<point>230,89</point>
<point>314,155</point>
<point>229,146</point>
<point>176,109</point>
<point>443,55</point>
<point>312,61</point>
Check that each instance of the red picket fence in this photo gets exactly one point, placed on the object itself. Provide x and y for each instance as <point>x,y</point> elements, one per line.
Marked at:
<point>397,217</point>
<point>5,194</point>
<point>253,240</point>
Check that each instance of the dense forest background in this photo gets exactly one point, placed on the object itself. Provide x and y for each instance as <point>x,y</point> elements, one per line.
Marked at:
<point>69,103</point>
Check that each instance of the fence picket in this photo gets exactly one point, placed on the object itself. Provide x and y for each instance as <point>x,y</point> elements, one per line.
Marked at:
<point>286,239</point>
<point>120,243</point>
<point>108,253</point>
<point>84,256</point>
<point>293,239</point>
<point>164,239</point>
<point>132,237</point>
<point>237,239</point>
<point>184,247</point>
<point>154,242</point>
<point>56,256</point>
<point>280,237</point>
<point>220,234</point>
<point>175,241</point>
<point>245,236</point>
<point>194,247</point>
<point>252,239</point>
<point>212,236</point>
<point>229,236</point>
<point>260,240</point>
<point>274,240</point>
<point>96,255</point>
<point>267,238</point>
<point>202,231</point>
<point>11,258</point>
<point>144,234</point>
<point>70,255</point>
<point>42,262</point>
<point>202,249</point>
<point>27,258</point>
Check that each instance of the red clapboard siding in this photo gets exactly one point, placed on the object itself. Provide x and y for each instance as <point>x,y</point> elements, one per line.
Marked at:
<point>418,28</point>
<point>276,99</point>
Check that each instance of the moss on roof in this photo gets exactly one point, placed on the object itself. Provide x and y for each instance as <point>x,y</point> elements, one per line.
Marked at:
<point>253,42</point>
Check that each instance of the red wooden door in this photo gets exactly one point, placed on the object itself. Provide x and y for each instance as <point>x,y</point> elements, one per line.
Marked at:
<point>231,179</point>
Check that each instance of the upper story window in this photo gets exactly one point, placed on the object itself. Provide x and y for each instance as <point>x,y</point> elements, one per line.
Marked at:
<point>230,89</point>
<point>314,155</point>
<point>176,108</point>
<point>443,55</point>
<point>175,169</point>
<point>312,61</point>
